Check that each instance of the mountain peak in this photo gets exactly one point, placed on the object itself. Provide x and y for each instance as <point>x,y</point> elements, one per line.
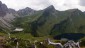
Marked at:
<point>26,11</point>
<point>0,2</point>
<point>3,9</point>
<point>51,7</point>
<point>72,10</point>
<point>27,8</point>
<point>49,10</point>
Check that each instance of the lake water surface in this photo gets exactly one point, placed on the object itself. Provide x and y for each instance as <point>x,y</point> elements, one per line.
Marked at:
<point>70,36</point>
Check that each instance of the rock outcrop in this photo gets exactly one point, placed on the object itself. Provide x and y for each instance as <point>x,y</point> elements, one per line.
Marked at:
<point>6,16</point>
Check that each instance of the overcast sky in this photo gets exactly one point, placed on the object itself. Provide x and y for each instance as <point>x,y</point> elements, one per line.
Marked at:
<point>41,4</point>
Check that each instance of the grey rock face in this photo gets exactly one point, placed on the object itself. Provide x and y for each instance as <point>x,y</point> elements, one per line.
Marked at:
<point>6,16</point>
<point>71,44</point>
<point>3,9</point>
<point>26,11</point>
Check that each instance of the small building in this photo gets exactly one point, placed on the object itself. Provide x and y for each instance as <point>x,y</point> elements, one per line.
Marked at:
<point>18,29</point>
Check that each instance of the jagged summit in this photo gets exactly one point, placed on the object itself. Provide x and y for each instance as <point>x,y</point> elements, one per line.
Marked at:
<point>27,8</point>
<point>3,9</point>
<point>51,7</point>
<point>49,10</point>
<point>72,10</point>
<point>25,11</point>
<point>0,2</point>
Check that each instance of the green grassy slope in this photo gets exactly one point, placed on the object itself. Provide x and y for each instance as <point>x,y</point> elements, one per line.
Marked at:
<point>52,22</point>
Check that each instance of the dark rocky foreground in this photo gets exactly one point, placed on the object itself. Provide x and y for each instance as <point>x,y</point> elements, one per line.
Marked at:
<point>46,43</point>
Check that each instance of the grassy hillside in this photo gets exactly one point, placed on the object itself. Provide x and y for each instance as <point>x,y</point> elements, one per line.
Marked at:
<point>52,22</point>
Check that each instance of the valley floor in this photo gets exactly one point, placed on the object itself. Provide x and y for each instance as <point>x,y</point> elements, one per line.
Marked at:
<point>23,38</point>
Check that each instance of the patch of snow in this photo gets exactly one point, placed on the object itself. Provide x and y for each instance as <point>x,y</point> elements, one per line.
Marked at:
<point>19,29</point>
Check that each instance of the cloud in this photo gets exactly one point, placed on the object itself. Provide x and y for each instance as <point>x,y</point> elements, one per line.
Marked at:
<point>82,2</point>
<point>19,4</point>
<point>65,4</point>
<point>41,4</point>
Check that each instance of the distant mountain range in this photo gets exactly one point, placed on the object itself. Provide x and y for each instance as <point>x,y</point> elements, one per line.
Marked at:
<point>8,15</point>
<point>43,22</point>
